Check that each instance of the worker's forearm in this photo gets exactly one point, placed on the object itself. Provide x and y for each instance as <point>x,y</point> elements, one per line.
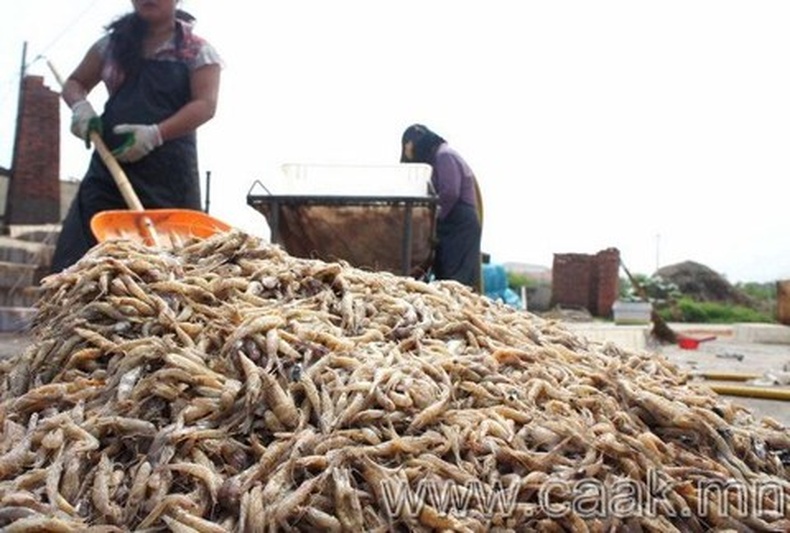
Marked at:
<point>73,92</point>
<point>188,119</point>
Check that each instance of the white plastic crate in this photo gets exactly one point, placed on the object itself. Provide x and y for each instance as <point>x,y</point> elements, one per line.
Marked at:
<point>408,179</point>
<point>632,312</point>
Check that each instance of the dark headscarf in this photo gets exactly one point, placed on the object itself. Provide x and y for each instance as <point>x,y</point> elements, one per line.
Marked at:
<point>425,144</point>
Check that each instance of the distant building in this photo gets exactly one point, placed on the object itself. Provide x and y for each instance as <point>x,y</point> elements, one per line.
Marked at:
<point>68,190</point>
<point>537,273</point>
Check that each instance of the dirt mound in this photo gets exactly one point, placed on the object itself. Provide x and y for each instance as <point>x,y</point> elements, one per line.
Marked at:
<point>703,284</point>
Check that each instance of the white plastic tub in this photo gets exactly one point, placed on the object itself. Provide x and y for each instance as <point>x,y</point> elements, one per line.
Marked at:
<point>412,179</point>
<point>632,312</point>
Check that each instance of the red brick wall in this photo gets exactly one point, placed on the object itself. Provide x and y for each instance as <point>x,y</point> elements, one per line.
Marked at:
<point>34,189</point>
<point>571,280</point>
<point>589,281</point>
<point>607,281</point>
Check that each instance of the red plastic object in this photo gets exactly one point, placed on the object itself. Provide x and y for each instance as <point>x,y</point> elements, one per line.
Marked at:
<point>690,343</point>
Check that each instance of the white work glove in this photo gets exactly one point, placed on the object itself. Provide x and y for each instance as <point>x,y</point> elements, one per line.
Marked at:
<point>140,140</point>
<point>84,120</point>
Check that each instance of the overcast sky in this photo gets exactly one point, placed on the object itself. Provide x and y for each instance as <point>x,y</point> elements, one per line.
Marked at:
<point>658,128</point>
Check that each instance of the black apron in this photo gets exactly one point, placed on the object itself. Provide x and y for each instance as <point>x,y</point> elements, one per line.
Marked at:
<point>458,247</point>
<point>166,178</point>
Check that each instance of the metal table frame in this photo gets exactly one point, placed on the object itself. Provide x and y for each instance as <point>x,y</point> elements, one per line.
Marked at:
<point>409,202</point>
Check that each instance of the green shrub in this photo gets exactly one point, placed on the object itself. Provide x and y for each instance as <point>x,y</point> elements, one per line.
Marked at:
<point>686,309</point>
<point>758,291</point>
<point>516,280</point>
<point>657,289</point>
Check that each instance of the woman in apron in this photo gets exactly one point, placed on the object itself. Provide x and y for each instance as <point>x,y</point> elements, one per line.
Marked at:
<point>459,226</point>
<point>163,82</point>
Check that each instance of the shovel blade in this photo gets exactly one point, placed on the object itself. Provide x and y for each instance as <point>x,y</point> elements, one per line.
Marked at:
<point>172,227</point>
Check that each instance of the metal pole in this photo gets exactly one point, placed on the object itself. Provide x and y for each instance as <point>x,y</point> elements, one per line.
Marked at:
<point>406,241</point>
<point>208,190</point>
<point>17,128</point>
<point>658,246</point>
<point>274,224</point>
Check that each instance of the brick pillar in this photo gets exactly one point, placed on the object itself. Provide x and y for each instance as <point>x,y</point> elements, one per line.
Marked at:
<point>589,281</point>
<point>34,188</point>
<point>607,281</point>
<point>571,280</point>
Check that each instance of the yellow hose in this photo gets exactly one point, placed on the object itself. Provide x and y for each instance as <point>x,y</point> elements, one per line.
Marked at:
<point>752,391</point>
<point>726,376</point>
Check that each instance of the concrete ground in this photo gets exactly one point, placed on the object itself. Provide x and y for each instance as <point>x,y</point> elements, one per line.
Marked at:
<point>759,351</point>
<point>768,366</point>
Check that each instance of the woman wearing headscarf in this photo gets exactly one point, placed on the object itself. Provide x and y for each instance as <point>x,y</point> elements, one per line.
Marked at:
<point>163,83</point>
<point>459,226</point>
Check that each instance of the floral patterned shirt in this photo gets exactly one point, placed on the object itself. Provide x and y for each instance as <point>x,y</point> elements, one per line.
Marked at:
<point>194,51</point>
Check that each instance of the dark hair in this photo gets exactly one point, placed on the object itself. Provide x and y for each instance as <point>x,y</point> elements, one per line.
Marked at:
<point>425,143</point>
<point>413,133</point>
<point>185,16</point>
<point>126,42</point>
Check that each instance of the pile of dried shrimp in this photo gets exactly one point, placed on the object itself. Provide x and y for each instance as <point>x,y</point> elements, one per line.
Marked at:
<point>228,386</point>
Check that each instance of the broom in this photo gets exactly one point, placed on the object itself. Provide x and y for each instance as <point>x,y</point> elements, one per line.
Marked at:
<point>661,329</point>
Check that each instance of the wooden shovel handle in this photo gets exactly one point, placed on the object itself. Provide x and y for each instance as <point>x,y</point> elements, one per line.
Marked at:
<point>125,187</point>
<point>120,177</point>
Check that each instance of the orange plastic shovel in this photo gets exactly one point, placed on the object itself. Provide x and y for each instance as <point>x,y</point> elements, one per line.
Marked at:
<point>154,227</point>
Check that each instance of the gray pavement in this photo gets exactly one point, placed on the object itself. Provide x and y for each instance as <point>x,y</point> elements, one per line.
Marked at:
<point>760,350</point>
<point>768,363</point>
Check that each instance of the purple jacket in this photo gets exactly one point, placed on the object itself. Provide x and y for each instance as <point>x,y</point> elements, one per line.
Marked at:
<point>453,180</point>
